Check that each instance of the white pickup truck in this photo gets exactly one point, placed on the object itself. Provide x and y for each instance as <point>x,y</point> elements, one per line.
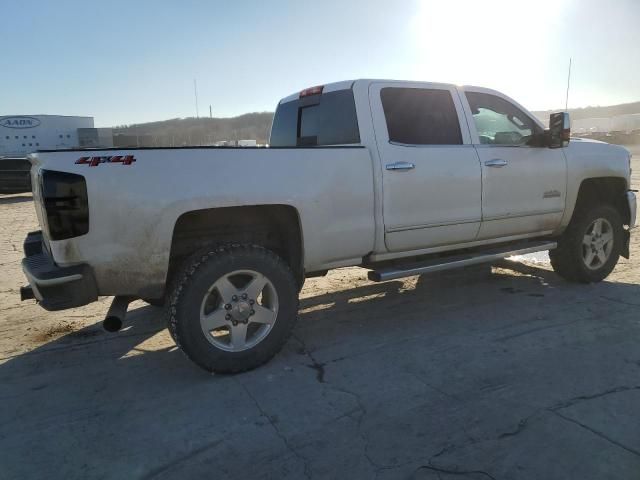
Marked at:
<point>401,178</point>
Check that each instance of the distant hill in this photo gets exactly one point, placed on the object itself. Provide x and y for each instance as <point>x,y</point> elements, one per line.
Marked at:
<point>256,126</point>
<point>195,131</point>
<point>594,112</point>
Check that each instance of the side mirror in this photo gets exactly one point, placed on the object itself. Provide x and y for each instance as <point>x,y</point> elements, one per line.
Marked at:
<point>559,130</point>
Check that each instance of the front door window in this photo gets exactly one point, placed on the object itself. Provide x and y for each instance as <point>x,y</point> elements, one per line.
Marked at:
<point>499,122</point>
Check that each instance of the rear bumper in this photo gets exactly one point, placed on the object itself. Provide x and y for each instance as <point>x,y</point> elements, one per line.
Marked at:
<point>56,288</point>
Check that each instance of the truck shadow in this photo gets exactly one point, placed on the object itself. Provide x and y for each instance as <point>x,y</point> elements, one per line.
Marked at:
<point>439,288</point>
<point>144,341</point>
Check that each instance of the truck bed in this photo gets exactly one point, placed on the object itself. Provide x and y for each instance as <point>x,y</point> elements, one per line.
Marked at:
<point>139,203</point>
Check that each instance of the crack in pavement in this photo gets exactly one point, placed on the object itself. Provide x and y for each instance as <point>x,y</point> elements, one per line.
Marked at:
<point>597,433</point>
<point>285,440</point>
<point>360,406</point>
<point>434,388</point>
<point>440,469</point>
<point>449,471</point>
<point>365,438</point>
<point>168,466</point>
<point>315,364</point>
<point>520,427</point>
<point>319,367</point>
<point>522,424</point>
<point>573,401</point>
<point>538,329</point>
<point>381,346</point>
<point>455,470</point>
<point>581,398</point>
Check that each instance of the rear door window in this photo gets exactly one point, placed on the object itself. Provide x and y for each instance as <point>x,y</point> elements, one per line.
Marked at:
<point>420,116</point>
<point>325,119</point>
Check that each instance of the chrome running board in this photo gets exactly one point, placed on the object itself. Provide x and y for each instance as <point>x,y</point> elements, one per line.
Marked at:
<point>460,260</point>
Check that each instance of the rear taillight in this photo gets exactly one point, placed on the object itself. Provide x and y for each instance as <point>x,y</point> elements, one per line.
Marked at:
<point>64,196</point>
<point>307,92</point>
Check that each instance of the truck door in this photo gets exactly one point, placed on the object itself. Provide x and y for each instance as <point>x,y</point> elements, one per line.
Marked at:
<point>430,170</point>
<point>523,187</point>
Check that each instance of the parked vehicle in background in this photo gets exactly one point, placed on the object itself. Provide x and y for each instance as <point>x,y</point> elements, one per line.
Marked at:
<point>401,178</point>
<point>15,175</point>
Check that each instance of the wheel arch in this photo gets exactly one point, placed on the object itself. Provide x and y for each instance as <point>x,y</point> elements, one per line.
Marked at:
<point>604,190</point>
<point>276,227</point>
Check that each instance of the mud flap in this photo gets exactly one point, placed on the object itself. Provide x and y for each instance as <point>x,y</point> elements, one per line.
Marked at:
<point>625,244</point>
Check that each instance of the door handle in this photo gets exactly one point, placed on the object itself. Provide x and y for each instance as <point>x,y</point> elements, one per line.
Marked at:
<point>400,166</point>
<point>496,162</point>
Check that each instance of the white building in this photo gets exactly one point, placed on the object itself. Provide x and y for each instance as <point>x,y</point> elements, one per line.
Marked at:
<point>626,123</point>
<point>591,125</point>
<point>22,134</point>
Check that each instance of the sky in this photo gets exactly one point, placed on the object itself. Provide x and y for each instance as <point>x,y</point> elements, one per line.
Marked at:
<point>126,62</point>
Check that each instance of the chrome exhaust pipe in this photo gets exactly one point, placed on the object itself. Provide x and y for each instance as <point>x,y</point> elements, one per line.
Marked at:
<point>116,313</point>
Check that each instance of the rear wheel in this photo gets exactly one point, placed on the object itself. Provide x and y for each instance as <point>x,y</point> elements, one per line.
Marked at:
<point>233,308</point>
<point>589,249</point>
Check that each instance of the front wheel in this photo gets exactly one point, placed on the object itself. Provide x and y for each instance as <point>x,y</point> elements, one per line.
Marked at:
<point>233,307</point>
<point>589,249</point>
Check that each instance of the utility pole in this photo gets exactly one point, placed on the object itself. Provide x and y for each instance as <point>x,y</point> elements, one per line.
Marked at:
<point>566,103</point>
<point>210,112</point>
<point>195,93</point>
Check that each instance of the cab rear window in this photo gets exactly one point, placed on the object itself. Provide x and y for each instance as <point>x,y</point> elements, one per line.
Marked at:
<point>325,119</point>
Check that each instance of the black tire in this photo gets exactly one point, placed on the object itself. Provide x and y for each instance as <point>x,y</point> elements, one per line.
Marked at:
<point>567,260</point>
<point>192,286</point>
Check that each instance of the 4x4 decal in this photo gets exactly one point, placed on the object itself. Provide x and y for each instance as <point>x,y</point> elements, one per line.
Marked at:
<point>95,161</point>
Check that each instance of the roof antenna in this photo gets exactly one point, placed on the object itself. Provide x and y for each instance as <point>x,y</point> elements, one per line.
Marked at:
<point>566,104</point>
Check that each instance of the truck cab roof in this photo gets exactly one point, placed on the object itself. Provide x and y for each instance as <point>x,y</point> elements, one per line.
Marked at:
<point>347,84</point>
